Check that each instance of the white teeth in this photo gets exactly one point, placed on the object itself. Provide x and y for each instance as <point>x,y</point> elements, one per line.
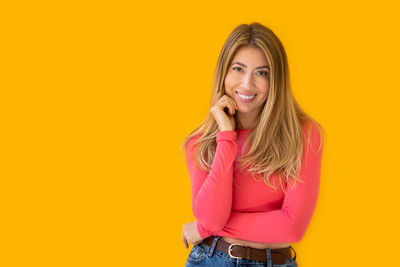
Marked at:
<point>246,97</point>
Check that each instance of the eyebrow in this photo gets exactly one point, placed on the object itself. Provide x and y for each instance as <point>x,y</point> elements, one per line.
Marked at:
<point>241,64</point>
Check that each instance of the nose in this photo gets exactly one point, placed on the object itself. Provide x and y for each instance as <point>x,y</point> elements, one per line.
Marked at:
<point>247,81</point>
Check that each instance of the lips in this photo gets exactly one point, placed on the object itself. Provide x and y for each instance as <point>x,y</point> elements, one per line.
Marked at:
<point>245,99</point>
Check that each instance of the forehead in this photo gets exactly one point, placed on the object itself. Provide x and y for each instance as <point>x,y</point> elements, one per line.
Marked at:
<point>250,56</point>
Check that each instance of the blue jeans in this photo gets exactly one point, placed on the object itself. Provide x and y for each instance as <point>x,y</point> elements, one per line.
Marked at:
<point>204,255</point>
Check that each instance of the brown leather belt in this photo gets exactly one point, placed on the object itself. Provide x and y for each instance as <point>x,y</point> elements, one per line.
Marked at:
<point>237,250</point>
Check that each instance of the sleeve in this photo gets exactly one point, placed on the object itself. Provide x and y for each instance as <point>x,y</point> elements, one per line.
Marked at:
<point>212,191</point>
<point>288,224</point>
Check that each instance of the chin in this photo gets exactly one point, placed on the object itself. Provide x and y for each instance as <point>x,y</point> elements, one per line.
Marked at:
<point>244,110</point>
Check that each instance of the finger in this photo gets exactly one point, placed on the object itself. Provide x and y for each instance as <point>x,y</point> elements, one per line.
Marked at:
<point>231,106</point>
<point>185,243</point>
<point>231,109</point>
<point>223,103</point>
<point>233,102</point>
<point>227,102</point>
<point>235,106</point>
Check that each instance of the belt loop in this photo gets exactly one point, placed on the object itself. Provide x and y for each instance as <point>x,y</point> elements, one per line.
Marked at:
<point>214,244</point>
<point>269,259</point>
<point>293,251</point>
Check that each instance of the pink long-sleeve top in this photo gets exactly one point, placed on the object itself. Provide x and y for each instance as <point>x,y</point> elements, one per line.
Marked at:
<point>252,211</point>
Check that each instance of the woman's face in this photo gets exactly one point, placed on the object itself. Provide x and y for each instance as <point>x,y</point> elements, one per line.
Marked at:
<point>248,76</point>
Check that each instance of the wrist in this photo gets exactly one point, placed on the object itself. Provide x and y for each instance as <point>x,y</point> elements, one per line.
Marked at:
<point>202,231</point>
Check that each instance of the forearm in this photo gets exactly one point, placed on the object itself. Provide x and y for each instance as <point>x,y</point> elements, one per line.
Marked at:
<point>212,191</point>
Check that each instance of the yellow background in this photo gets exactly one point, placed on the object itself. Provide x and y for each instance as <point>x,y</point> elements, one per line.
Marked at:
<point>96,98</point>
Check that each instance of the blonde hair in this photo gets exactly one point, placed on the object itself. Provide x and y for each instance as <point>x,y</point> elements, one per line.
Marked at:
<point>277,141</point>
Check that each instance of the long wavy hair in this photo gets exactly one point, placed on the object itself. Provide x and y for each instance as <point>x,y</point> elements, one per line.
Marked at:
<point>276,144</point>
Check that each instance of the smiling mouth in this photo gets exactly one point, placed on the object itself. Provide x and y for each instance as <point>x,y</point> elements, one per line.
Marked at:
<point>244,97</point>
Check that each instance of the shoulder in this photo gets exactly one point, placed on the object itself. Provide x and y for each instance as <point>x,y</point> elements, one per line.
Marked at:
<point>191,150</point>
<point>191,142</point>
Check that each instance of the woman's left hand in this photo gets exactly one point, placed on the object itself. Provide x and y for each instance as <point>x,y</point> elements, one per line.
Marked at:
<point>190,234</point>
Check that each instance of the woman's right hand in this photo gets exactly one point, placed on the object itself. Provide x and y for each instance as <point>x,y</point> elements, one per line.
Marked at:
<point>225,120</point>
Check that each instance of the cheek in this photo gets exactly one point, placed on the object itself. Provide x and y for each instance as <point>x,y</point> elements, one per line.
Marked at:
<point>229,85</point>
<point>265,86</point>
<point>229,81</point>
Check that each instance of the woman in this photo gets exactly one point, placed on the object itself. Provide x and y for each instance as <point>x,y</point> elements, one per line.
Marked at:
<point>254,162</point>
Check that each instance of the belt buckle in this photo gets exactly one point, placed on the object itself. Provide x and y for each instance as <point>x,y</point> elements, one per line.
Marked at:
<point>230,250</point>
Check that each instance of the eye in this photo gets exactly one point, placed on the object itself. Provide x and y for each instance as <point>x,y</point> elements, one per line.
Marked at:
<point>237,68</point>
<point>263,73</point>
